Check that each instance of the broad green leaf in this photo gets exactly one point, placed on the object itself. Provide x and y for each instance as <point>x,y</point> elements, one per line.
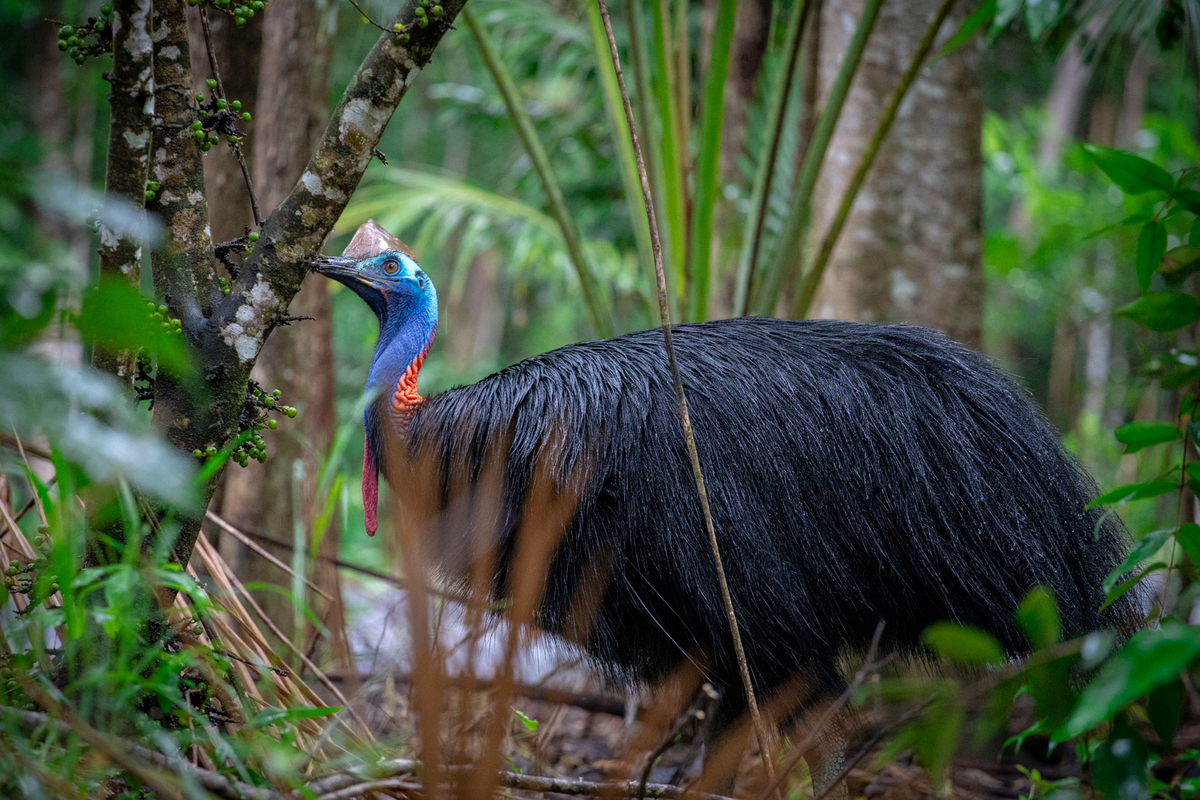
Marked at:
<point>979,17</point>
<point>1052,686</point>
<point>1040,16</point>
<point>963,643</point>
<point>937,737</point>
<point>1132,492</point>
<point>1162,311</point>
<point>1190,199</point>
<point>1179,262</point>
<point>1165,710</point>
<point>1188,537</point>
<point>1194,234</point>
<point>1006,12</point>
<point>1146,547</point>
<point>1151,244</point>
<point>529,722</point>
<point>1121,589</point>
<point>1150,659</point>
<point>1145,433</point>
<point>1119,764</point>
<point>115,315</point>
<point>1132,174</point>
<point>1038,617</point>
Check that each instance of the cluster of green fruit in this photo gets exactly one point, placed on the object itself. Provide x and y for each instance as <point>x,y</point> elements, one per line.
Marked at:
<point>22,576</point>
<point>151,190</point>
<point>218,116</point>
<point>240,11</point>
<point>255,416</point>
<point>160,317</point>
<point>73,39</point>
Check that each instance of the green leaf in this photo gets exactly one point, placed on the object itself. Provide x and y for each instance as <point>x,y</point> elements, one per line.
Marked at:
<point>1132,219</point>
<point>1132,174</point>
<point>1052,686</point>
<point>1146,547</point>
<point>117,316</point>
<point>1190,199</point>
<point>978,18</point>
<point>1038,617</point>
<point>1165,710</point>
<point>937,737</point>
<point>1006,12</point>
<point>1040,16</point>
<point>1151,244</point>
<point>1119,764</point>
<point>1178,263</point>
<point>963,643</point>
<point>1132,492</point>
<point>1119,591</point>
<point>529,722</point>
<point>1145,433</point>
<point>1188,537</point>
<point>271,715</point>
<point>1194,234</point>
<point>1162,311</point>
<point>1150,659</point>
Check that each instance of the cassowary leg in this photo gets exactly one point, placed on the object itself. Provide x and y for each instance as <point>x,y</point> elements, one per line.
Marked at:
<point>826,757</point>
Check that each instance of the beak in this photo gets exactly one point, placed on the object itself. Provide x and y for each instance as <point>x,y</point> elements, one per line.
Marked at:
<point>342,269</point>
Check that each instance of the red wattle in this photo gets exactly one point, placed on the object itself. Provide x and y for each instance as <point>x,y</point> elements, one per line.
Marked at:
<point>370,490</point>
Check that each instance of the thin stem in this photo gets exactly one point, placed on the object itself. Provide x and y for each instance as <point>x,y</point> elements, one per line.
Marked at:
<point>765,176</point>
<point>237,146</point>
<point>541,165</point>
<point>367,17</point>
<point>788,246</point>
<point>812,278</point>
<point>664,311</point>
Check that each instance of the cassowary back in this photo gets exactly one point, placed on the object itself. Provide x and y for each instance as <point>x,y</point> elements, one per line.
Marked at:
<point>856,473</point>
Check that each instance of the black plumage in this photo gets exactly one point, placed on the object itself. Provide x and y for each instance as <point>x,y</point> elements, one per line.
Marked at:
<point>856,472</point>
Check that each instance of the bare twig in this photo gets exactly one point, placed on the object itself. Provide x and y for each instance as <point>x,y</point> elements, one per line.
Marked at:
<point>681,400</point>
<point>812,278</point>
<point>237,146</point>
<point>262,551</point>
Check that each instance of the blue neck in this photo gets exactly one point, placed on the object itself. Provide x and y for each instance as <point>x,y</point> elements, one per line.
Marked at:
<point>406,328</point>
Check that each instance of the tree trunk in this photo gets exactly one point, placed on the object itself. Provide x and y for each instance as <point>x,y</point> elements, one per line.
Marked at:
<point>291,108</point>
<point>912,247</point>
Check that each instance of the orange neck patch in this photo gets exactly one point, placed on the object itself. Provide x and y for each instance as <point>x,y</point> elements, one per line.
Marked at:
<point>406,399</point>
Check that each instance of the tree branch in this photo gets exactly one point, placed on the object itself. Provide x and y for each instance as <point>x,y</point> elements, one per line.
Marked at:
<point>183,262</point>
<point>132,101</point>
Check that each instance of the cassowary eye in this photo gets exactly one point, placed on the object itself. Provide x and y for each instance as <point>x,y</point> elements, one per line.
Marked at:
<point>391,266</point>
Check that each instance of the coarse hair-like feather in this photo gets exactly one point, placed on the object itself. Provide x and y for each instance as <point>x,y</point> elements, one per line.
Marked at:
<point>856,472</point>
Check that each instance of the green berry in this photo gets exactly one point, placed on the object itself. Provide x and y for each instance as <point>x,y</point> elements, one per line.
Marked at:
<point>236,105</point>
<point>258,5</point>
<point>212,451</point>
<point>199,98</point>
<point>62,46</point>
<point>276,393</point>
<point>291,412</point>
<point>422,22</point>
<point>254,238</point>
<point>397,27</point>
<point>65,31</point>
<point>272,424</point>
<point>106,9</point>
<point>221,102</point>
<point>211,83</point>
<point>246,116</point>
<point>149,195</point>
<point>436,11</point>
<point>240,21</point>
<point>404,37</point>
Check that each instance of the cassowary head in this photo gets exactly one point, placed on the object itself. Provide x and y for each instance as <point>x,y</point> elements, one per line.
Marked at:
<point>381,270</point>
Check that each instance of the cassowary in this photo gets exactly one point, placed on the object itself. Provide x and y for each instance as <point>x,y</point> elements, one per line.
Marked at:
<point>856,472</point>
